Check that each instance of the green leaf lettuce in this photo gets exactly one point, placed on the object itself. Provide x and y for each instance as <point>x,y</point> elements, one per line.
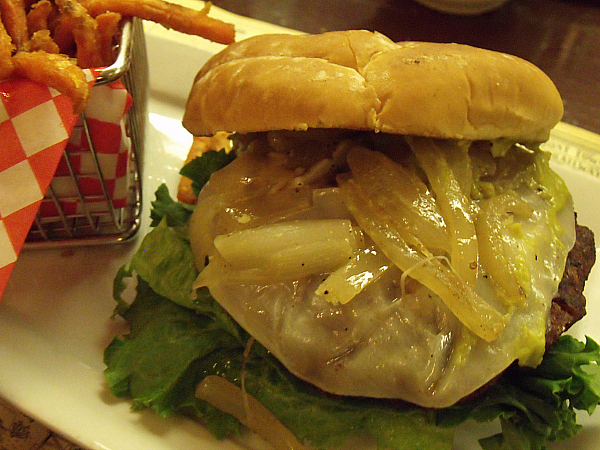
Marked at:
<point>177,338</point>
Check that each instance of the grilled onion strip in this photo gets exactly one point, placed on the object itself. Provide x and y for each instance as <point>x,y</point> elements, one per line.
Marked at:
<point>452,201</point>
<point>230,399</point>
<point>387,232</point>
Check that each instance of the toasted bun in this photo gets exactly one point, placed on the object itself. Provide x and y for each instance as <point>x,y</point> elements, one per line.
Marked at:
<point>362,80</point>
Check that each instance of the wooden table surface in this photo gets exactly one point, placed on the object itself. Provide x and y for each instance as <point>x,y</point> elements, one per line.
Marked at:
<point>562,37</point>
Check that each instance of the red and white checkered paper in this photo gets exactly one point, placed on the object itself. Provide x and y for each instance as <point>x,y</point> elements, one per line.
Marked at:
<point>36,125</point>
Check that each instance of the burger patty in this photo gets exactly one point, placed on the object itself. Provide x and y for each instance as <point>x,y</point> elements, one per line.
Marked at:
<point>569,304</point>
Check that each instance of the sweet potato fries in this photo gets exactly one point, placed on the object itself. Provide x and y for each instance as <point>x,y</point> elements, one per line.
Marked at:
<point>52,41</point>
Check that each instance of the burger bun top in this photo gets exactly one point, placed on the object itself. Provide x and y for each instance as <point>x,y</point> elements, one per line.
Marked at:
<point>364,81</point>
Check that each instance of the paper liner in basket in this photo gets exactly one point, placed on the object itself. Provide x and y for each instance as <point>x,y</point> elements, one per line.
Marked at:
<point>104,113</point>
<point>36,123</point>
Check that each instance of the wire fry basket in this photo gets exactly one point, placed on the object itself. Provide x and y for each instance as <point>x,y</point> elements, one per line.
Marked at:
<point>97,220</point>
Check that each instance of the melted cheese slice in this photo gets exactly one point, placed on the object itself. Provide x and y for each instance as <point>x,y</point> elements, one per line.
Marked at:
<point>395,338</point>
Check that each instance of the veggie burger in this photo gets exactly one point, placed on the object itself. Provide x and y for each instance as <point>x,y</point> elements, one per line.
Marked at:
<point>385,229</point>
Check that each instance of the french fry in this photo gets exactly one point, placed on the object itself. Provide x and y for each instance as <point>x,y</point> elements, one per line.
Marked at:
<point>6,48</point>
<point>85,33</point>
<point>62,32</point>
<point>200,145</point>
<point>169,15</point>
<point>38,17</point>
<point>41,40</point>
<point>57,71</point>
<point>108,29</point>
<point>15,21</point>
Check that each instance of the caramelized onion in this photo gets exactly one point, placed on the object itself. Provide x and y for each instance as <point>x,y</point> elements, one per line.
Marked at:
<point>452,201</point>
<point>229,201</point>
<point>232,400</point>
<point>289,250</point>
<point>403,195</point>
<point>386,231</point>
<point>496,219</point>
<point>365,267</point>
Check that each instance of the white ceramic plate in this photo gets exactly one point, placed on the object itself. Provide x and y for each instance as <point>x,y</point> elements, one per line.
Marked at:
<point>55,314</point>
